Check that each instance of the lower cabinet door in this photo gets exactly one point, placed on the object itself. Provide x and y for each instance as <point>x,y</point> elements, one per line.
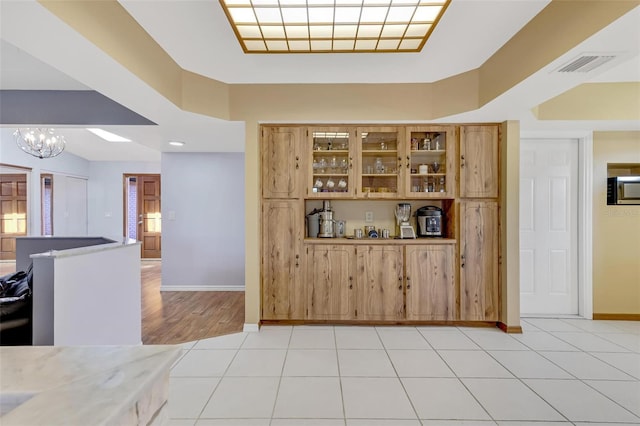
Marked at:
<point>430,282</point>
<point>479,245</point>
<point>379,278</point>
<point>282,261</point>
<point>330,282</point>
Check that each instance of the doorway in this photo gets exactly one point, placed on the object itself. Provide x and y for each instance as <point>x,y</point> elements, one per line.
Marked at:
<point>13,212</point>
<point>142,212</point>
<point>46,204</point>
<point>549,226</point>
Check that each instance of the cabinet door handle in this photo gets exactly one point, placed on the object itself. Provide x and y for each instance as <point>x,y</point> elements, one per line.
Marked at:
<point>351,162</point>
<point>297,257</point>
<point>400,280</point>
<point>462,258</point>
<point>462,161</point>
<point>408,162</point>
<point>408,283</point>
<point>297,160</point>
<point>350,283</point>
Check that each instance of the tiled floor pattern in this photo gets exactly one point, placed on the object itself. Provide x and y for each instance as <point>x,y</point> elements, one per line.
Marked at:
<point>558,372</point>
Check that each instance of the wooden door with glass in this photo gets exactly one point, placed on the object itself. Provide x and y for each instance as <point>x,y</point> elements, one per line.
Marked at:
<point>331,173</point>
<point>379,151</point>
<point>429,162</point>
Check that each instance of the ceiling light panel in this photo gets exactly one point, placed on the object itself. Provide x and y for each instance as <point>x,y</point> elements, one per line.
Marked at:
<point>333,26</point>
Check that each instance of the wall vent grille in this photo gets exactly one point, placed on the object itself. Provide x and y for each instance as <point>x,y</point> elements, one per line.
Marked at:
<point>586,63</point>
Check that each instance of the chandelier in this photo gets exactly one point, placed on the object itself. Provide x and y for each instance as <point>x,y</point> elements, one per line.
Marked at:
<point>40,142</point>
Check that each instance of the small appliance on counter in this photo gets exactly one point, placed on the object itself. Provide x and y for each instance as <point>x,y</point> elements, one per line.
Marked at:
<point>327,224</point>
<point>430,221</point>
<point>313,223</point>
<point>403,214</point>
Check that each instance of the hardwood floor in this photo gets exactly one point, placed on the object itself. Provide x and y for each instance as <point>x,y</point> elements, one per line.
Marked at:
<point>182,316</point>
<point>173,317</point>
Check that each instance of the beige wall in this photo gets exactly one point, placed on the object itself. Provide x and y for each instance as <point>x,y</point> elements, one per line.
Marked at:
<point>510,223</point>
<point>616,230</point>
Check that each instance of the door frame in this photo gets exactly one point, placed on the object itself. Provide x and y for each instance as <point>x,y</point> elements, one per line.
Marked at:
<point>44,176</point>
<point>585,211</point>
<point>125,176</point>
<point>14,169</point>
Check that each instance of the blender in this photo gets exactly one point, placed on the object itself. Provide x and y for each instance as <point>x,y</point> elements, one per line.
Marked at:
<point>403,213</point>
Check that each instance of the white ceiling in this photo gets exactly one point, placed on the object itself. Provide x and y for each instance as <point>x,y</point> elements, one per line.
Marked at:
<point>198,37</point>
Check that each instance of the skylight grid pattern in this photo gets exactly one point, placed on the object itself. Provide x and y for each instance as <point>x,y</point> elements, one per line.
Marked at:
<point>333,26</point>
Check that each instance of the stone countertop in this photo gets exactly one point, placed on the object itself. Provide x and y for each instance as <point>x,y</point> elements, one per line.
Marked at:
<point>97,385</point>
<point>113,243</point>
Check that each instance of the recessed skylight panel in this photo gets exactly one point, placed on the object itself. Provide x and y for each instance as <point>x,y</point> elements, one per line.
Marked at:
<point>331,26</point>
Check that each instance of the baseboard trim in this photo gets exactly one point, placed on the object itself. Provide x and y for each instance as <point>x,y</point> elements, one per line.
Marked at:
<point>617,317</point>
<point>510,329</point>
<point>202,288</point>
<point>251,328</point>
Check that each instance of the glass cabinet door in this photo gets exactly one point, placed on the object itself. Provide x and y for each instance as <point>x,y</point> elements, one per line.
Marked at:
<point>379,167</point>
<point>331,162</point>
<point>430,162</point>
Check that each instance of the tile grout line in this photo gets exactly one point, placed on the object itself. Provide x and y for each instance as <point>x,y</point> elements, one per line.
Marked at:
<point>515,376</point>
<point>384,347</point>
<point>344,408</point>
<point>460,380</point>
<point>221,377</point>
<point>284,362</point>
<point>576,378</point>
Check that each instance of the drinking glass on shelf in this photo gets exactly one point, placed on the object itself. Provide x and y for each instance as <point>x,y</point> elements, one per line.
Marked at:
<point>322,165</point>
<point>344,165</point>
<point>379,165</point>
<point>435,167</point>
<point>342,184</point>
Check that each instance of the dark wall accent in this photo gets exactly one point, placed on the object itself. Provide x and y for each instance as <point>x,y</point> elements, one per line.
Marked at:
<point>64,107</point>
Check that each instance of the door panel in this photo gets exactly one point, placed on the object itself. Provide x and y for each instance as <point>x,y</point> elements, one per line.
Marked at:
<point>150,224</point>
<point>431,284</point>
<point>13,212</point>
<point>479,161</point>
<point>76,206</point>
<point>548,227</point>
<point>379,278</point>
<point>330,282</point>
<point>282,162</point>
<point>282,291</point>
<point>478,266</point>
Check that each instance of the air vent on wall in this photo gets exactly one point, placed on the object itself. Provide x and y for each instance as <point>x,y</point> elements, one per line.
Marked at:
<point>586,63</point>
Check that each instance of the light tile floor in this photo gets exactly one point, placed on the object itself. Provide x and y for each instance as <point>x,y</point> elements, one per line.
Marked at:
<point>559,372</point>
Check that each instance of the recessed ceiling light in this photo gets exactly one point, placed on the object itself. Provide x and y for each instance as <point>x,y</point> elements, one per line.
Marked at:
<point>333,26</point>
<point>108,136</point>
<point>176,143</point>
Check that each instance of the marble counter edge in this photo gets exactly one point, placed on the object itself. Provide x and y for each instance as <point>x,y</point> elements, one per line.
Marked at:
<point>122,242</point>
<point>97,398</point>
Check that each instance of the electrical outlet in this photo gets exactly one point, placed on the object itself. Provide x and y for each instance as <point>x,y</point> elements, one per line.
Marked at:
<point>368,217</point>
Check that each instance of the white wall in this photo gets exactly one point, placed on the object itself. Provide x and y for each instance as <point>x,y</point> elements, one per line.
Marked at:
<point>202,221</point>
<point>66,164</point>
<point>106,197</point>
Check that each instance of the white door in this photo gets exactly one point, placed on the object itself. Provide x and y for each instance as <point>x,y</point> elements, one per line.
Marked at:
<point>548,226</point>
<point>76,203</point>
